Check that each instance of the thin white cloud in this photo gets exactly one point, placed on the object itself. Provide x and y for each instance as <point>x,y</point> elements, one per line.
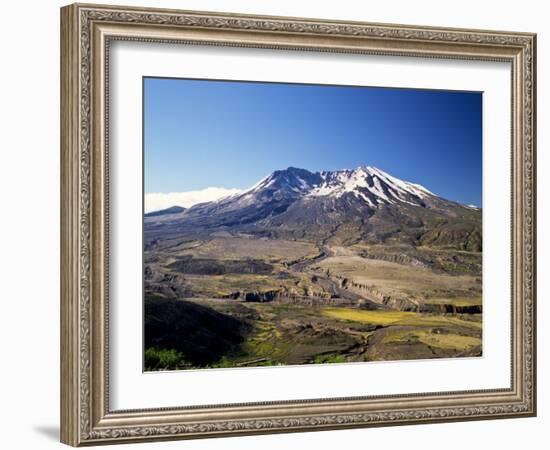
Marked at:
<point>160,200</point>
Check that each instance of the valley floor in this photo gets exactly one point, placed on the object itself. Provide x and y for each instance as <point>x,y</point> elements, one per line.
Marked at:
<point>278,302</point>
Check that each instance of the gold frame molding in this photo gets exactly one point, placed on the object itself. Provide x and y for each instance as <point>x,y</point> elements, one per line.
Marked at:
<point>86,31</point>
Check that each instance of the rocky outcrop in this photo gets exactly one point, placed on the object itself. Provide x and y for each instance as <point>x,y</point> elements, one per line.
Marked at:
<point>258,296</point>
<point>449,308</point>
<point>169,285</point>
<point>399,258</point>
<point>402,304</point>
<point>372,294</point>
<point>284,296</point>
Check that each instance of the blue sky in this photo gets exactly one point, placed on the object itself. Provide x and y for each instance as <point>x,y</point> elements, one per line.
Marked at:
<point>200,134</point>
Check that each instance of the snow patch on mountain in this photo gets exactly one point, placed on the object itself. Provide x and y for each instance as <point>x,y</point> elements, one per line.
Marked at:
<point>362,181</point>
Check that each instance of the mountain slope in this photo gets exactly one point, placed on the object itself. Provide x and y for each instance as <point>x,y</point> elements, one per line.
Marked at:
<point>163,212</point>
<point>348,206</point>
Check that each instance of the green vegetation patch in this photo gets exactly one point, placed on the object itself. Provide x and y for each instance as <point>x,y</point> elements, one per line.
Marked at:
<point>163,359</point>
<point>266,341</point>
<point>329,359</point>
<point>386,318</point>
<point>458,301</point>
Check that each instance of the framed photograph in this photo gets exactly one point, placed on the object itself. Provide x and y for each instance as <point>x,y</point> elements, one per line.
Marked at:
<point>275,224</point>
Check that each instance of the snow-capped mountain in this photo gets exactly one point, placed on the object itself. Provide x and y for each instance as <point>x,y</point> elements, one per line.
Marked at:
<point>374,186</point>
<point>366,201</point>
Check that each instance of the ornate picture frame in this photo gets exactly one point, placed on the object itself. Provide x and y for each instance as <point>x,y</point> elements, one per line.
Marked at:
<point>86,34</point>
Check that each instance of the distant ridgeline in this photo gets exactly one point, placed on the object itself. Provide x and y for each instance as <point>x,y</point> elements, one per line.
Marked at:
<point>364,204</point>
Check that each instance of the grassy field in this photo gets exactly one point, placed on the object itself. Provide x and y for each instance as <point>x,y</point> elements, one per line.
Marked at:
<point>443,341</point>
<point>408,335</point>
<point>386,318</point>
<point>457,301</point>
